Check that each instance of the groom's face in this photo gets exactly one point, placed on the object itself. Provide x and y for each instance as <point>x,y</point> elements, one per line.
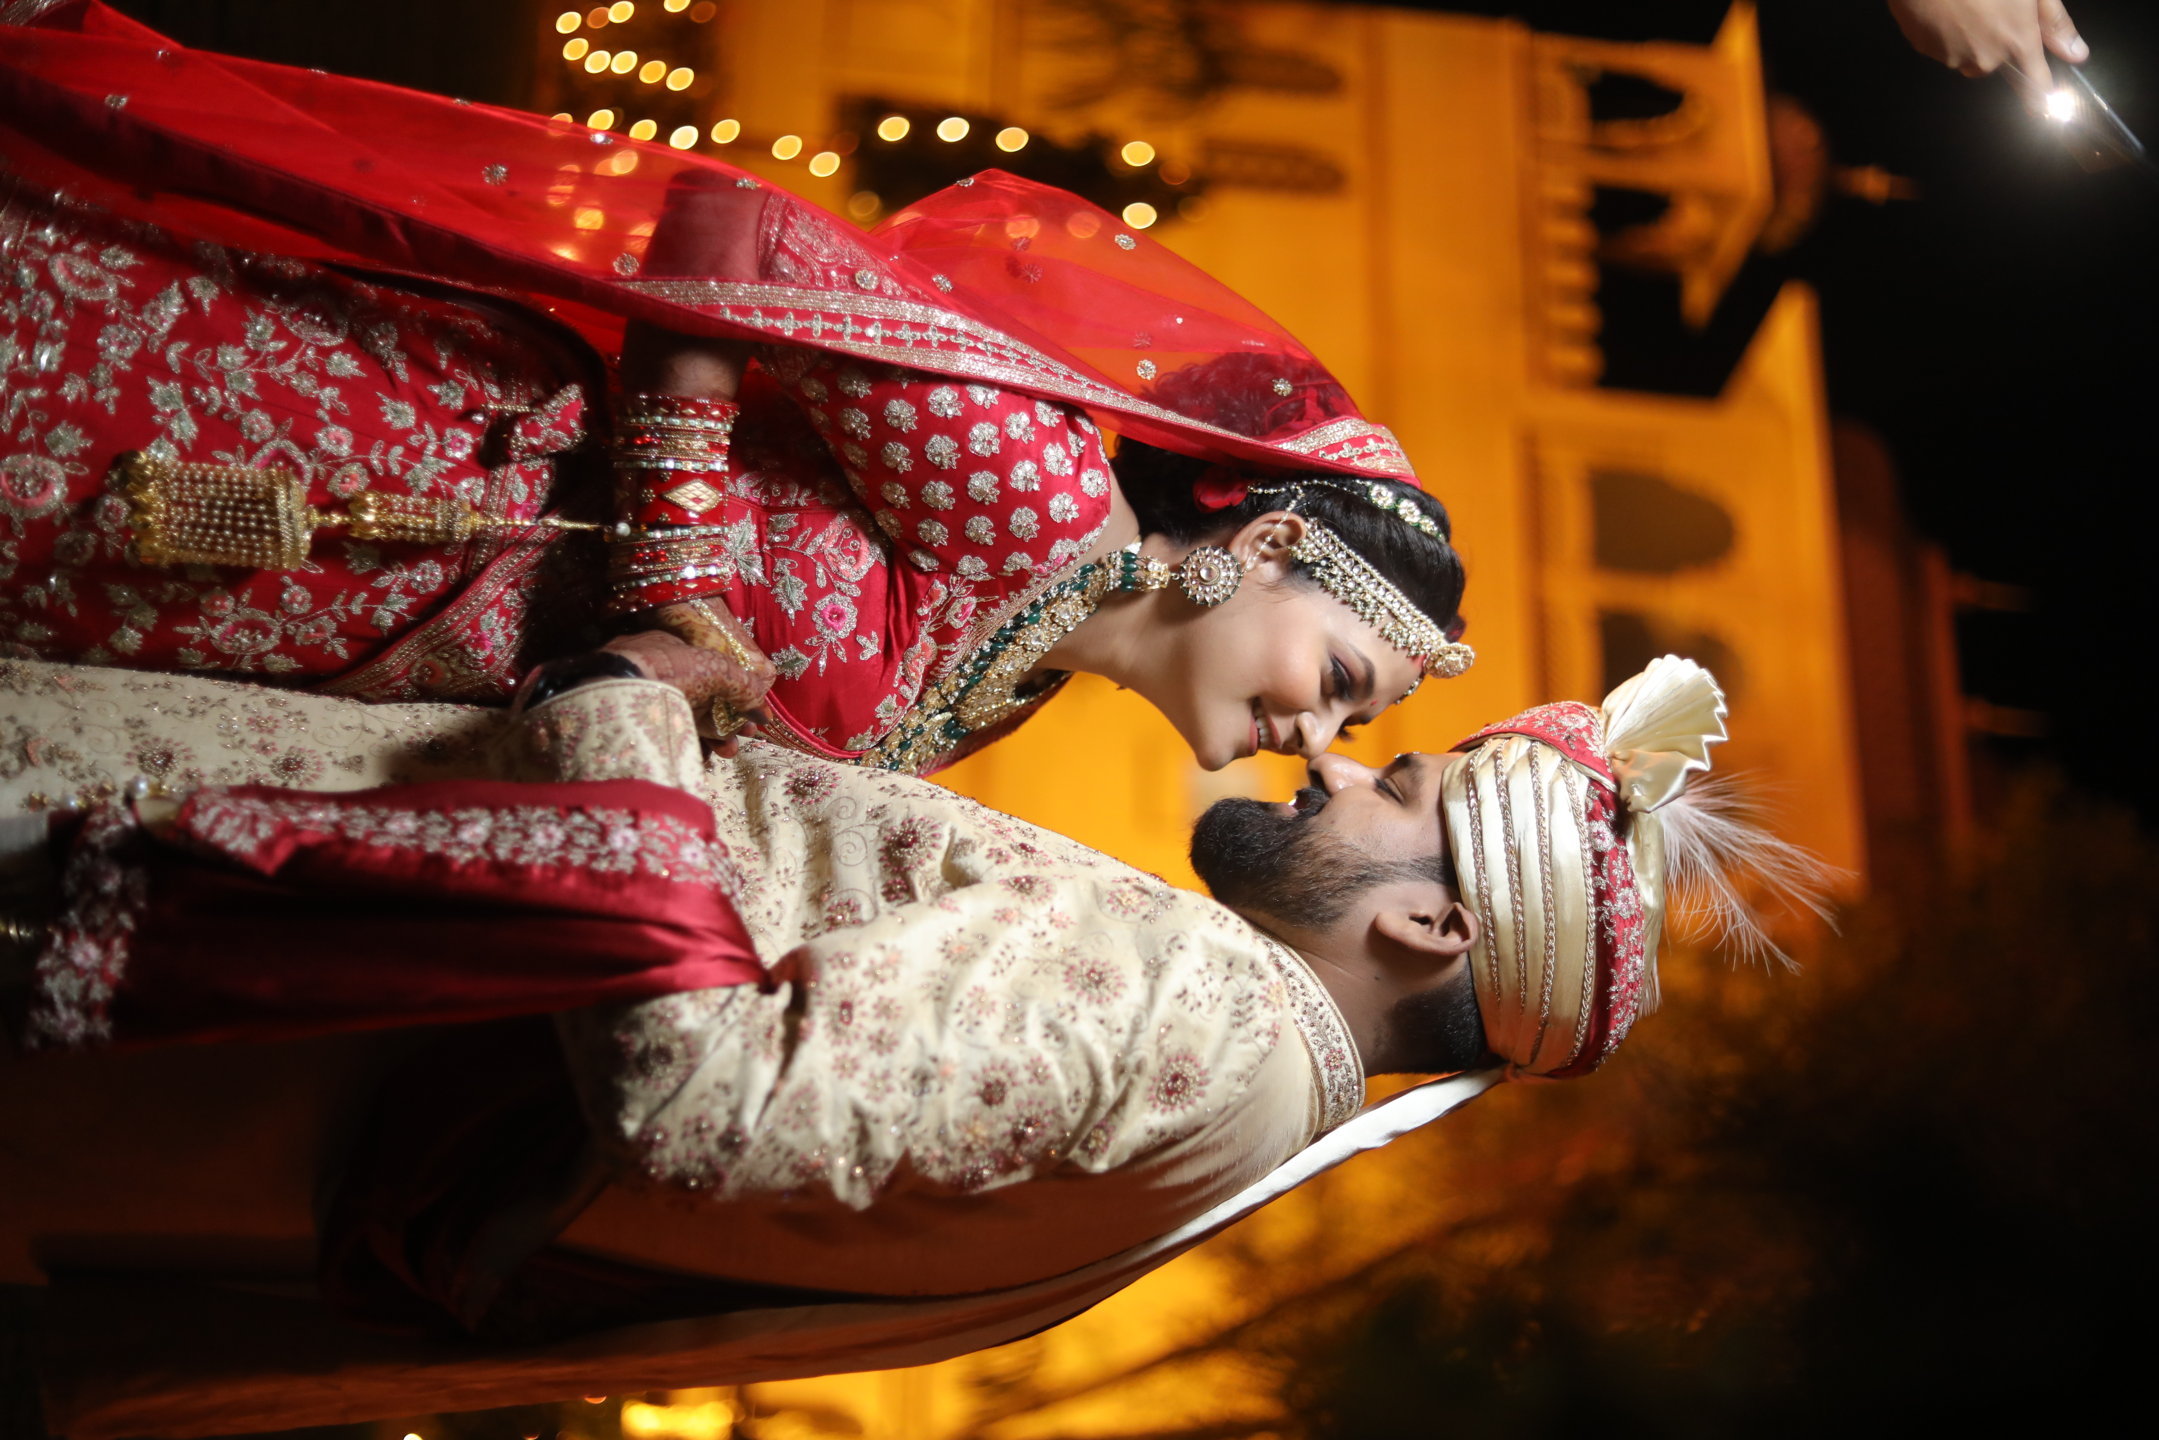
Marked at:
<point>1305,859</point>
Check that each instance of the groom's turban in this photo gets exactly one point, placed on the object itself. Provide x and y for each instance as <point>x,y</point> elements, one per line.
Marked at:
<point>1560,851</point>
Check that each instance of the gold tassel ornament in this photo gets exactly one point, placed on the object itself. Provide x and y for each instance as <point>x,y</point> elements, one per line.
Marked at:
<point>195,514</point>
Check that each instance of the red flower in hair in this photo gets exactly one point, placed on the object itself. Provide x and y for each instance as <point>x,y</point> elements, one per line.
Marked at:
<point>1219,488</point>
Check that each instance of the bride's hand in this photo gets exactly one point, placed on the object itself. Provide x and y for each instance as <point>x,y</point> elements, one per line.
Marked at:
<point>707,232</point>
<point>705,653</point>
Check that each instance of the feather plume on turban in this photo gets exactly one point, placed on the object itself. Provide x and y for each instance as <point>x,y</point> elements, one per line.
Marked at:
<point>1563,844</point>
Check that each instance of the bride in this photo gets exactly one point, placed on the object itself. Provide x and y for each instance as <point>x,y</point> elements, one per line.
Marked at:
<point>306,379</point>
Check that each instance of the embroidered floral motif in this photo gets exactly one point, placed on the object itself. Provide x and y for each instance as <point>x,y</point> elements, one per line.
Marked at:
<point>859,694</point>
<point>1179,1083</point>
<point>601,840</point>
<point>188,352</point>
<point>1046,1009</point>
<point>85,959</point>
<point>1326,1036</point>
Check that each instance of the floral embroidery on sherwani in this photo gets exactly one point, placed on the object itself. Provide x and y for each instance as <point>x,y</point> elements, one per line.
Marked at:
<point>989,1003</point>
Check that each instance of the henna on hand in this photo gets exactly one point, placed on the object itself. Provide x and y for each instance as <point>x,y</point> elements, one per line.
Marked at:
<point>704,676</point>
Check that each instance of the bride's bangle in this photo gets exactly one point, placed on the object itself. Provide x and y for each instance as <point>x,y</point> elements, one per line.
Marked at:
<point>671,454</point>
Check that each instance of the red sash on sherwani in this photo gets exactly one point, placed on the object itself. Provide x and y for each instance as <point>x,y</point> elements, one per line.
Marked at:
<point>264,914</point>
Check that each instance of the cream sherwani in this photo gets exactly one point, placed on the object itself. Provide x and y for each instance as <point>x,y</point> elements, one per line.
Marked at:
<point>1012,1058</point>
<point>1015,1056</point>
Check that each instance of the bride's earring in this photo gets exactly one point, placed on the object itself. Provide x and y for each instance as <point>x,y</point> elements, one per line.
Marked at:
<point>1209,575</point>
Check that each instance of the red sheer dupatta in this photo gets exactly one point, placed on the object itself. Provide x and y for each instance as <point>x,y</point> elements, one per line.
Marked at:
<point>265,914</point>
<point>997,279</point>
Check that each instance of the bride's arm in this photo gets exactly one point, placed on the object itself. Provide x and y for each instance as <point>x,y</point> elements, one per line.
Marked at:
<point>707,233</point>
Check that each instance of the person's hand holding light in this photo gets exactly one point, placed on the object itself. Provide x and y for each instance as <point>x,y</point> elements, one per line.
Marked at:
<point>1980,37</point>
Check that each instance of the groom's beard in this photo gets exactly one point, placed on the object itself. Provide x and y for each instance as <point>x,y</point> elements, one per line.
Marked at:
<point>1256,858</point>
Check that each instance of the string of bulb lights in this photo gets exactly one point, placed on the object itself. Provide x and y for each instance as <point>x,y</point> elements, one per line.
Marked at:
<point>583,50</point>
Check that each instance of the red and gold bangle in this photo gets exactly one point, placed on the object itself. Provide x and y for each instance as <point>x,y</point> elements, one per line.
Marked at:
<point>676,446</point>
<point>661,566</point>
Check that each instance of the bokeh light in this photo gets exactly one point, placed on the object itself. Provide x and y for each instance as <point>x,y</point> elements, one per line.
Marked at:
<point>601,119</point>
<point>596,62</point>
<point>725,132</point>
<point>893,127</point>
<point>644,130</point>
<point>680,77</point>
<point>620,11</point>
<point>567,22</point>
<point>787,147</point>
<point>576,49</point>
<point>952,127</point>
<point>1139,215</point>
<point>1012,138</point>
<point>864,205</point>
<point>624,62</point>
<point>684,137</point>
<point>651,71</point>
<point>824,162</point>
<point>1137,153</point>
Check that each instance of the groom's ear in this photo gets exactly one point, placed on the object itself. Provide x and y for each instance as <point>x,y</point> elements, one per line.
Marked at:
<point>1429,921</point>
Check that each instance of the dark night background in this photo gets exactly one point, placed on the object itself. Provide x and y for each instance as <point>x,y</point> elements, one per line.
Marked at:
<point>1992,331</point>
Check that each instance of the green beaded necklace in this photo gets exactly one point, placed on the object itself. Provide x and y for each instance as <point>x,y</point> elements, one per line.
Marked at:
<point>982,689</point>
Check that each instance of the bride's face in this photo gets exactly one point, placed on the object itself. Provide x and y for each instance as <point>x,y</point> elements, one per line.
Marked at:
<point>1281,665</point>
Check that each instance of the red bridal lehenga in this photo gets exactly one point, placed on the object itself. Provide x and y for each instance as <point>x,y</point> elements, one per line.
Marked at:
<point>399,298</point>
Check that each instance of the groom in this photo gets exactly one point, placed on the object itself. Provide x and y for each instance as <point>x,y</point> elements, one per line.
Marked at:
<point>987,1070</point>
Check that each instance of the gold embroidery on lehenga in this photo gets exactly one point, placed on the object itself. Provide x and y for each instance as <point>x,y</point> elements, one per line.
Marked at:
<point>904,330</point>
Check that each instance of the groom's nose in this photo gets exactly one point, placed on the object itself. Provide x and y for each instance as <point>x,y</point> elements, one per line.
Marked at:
<point>1335,773</point>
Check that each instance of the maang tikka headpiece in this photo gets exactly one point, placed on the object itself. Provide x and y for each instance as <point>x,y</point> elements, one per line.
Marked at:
<point>1353,580</point>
